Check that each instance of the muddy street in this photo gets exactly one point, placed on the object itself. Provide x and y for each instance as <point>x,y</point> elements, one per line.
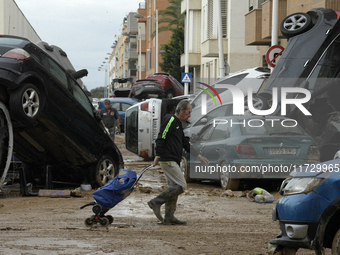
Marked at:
<point>216,223</point>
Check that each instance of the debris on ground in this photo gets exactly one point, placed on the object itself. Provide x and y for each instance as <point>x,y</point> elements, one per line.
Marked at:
<point>228,193</point>
<point>146,189</point>
<point>214,192</point>
<point>260,195</point>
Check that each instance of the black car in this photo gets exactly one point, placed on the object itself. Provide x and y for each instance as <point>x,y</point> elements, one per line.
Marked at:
<point>311,60</point>
<point>54,123</point>
<point>147,88</point>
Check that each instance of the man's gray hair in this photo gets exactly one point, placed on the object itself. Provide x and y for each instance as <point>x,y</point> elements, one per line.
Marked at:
<point>182,104</point>
<point>107,101</point>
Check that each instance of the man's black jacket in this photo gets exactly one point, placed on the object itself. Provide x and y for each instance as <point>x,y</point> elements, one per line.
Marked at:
<point>171,141</point>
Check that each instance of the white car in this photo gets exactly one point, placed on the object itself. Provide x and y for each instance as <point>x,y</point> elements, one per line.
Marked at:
<point>243,79</point>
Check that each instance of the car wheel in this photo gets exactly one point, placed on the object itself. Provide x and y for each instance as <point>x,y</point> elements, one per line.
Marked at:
<point>295,24</point>
<point>184,168</point>
<point>26,103</point>
<point>6,141</point>
<point>170,94</point>
<point>104,171</point>
<point>259,103</point>
<point>336,243</point>
<point>226,181</point>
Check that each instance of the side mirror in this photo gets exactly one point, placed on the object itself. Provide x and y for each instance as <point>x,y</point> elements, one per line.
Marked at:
<point>79,74</point>
<point>204,120</point>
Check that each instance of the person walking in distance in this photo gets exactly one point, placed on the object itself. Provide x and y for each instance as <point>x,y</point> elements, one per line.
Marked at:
<point>169,145</point>
<point>110,118</point>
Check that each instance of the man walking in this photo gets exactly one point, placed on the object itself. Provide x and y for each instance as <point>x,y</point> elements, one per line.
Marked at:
<point>110,118</point>
<point>169,145</point>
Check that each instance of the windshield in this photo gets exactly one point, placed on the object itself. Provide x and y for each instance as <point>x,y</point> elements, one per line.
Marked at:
<point>13,41</point>
<point>271,127</point>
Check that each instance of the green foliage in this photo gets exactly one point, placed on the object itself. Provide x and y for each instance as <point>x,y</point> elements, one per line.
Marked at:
<point>172,58</point>
<point>97,92</point>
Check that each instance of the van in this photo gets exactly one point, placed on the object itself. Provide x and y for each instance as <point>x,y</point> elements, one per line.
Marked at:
<point>143,121</point>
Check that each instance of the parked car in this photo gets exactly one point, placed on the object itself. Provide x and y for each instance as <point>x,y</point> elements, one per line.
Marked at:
<point>308,213</point>
<point>147,88</point>
<point>171,86</point>
<point>143,121</point>
<point>315,68</point>
<point>253,77</point>
<point>54,122</point>
<point>249,147</point>
<point>121,104</point>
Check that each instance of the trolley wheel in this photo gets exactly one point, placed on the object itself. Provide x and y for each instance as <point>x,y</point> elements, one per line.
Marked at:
<point>88,222</point>
<point>110,218</point>
<point>104,221</point>
<point>96,209</point>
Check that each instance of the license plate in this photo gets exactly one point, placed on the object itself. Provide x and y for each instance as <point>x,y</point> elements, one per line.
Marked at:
<point>149,86</point>
<point>282,151</point>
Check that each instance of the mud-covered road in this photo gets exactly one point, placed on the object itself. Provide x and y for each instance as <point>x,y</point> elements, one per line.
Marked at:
<point>216,224</point>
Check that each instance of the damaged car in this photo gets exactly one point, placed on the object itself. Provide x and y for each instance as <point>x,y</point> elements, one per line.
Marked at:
<point>311,63</point>
<point>309,211</point>
<point>248,147</point>
<point>53,122</point>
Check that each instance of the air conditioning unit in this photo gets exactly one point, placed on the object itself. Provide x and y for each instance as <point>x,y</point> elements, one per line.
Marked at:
<point>255,4</point>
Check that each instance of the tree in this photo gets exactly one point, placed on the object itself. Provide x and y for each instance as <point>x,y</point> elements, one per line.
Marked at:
<point>174,21</point>
<point>97,92</point>
<point>172,58</point>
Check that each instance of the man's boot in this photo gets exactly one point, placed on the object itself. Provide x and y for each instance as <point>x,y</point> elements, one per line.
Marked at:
<point>156,203</point>
<point>170,208</point>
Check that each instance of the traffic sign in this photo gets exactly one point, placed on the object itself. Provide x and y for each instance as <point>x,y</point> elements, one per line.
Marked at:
<point>273,55</point>
<point>186,77</point>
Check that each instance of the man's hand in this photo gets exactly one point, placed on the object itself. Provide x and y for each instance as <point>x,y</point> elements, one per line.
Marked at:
<point>203,160</point>
<point>155,161</point>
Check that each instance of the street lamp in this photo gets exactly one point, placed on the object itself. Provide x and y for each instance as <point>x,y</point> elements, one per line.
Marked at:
<point>150,17</point>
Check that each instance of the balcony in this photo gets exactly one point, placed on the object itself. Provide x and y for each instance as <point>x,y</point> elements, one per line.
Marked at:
<point>253,31</point>
<point>194,59</point>
<point>210,48</point>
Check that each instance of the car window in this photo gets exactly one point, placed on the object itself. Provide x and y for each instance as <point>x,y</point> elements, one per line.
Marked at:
<point>206,132</point>
<point>58,72</point>
<point>125,106</point>
<point>327,68</point>
<point>217,112</point>
<point>79,94</point>
<point>221,132</point>
<point>116,105</point>
<point>229,81</point>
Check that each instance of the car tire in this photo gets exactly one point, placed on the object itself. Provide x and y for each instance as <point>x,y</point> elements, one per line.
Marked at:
<point>259,103</point>
<point>336,243</point>
<point>170,94</point>
<point>184,168</point>
<point>295,24</point>
<point>104,171</point>
<point>226,181</point>
<point>26,103</point>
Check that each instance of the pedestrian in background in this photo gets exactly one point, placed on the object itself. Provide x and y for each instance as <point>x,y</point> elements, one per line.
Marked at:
<point>110,118</point>
<point>169,146</point>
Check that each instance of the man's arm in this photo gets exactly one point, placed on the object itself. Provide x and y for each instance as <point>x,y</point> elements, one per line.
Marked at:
<point>164,131</point>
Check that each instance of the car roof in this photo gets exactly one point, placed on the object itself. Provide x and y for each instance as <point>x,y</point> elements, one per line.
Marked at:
<point>121,99</point>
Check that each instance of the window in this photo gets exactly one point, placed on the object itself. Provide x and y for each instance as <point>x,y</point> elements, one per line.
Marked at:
<point>150,59</point>
<point>125,106</point>
<point>80,96</point>
<point>210,19</point>
<point>116,105</point>
<point>58,72</point>
<point>205,133</point>
<point>220,133</point>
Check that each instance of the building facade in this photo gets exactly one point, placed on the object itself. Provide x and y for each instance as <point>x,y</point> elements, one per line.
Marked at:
<point>14,22</point>
<point>203,46</point>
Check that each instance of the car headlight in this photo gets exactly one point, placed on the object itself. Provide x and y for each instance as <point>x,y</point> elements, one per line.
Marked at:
<point>301,185</point>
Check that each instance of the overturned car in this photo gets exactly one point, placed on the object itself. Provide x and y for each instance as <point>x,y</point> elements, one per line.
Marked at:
<point>53,121</point>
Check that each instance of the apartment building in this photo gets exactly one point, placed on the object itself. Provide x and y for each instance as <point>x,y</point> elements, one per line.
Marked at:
<point>203,46</point>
